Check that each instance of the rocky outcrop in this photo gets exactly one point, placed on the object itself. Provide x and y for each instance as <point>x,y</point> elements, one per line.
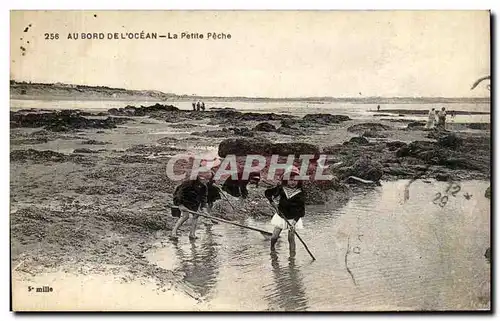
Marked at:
<point>325,118</point>
<point>265,127</point>
<point>297,149</point>
<point>416,125</point>
<point>373,134</point>
<point>84,151</point>
<point>60,121</point>
<point>242,147</point>
<point>358,140</point>
<point>94,142</point>
<point>142,111</point>
<point>364,168</point>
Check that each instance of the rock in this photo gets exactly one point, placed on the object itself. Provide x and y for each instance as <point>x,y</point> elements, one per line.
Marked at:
<point>399,171</point>
<point>360,128</point>
<point>265,127</point>
<point>289,123</point>
<point>320,192</point>
<point>358,140</point>
<point>382,115</point>
<point>368,169</point>
<point>142,111</point>
<point>297,149</point>
<point>487,194</point>
<point>84,151</point>
<point>394,145</point>
<point>450,140</point>
<point>252,146</point>
<point>373,134</point>
<point>365,168</point>
<point>28,141</point>
<point>416,125</point>
<point>443,177</point>
<point>60,121</point>
<point>93,142</point>
<point>242,131</point>
<point>325,118</point>
<point>114,111</point>
<point>167,140</point>
<point>262,117</point>
<point>38,156</point>
<point>244,146</point>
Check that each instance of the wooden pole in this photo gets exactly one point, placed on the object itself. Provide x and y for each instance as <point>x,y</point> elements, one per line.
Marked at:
<point>266,233</point>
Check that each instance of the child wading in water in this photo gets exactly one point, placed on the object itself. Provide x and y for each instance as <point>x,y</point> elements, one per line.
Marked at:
<point>291,206</point>
<point>190,195</point>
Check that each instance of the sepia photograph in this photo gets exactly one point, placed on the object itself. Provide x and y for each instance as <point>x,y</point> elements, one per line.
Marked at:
<point>250,161</point>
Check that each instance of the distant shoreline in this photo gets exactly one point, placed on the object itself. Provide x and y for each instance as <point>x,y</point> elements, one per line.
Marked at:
<point>42,91</point>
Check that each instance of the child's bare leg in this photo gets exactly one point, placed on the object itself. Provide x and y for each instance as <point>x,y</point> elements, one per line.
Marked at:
<point>193,227</point>
<point>274,238</point>
<point>184,217</point>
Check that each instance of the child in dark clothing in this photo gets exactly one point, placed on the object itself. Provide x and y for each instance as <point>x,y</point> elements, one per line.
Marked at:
<point>190,195</point>
<point>291,206</point>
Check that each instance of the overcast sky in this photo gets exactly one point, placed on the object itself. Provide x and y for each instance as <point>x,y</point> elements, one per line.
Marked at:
<point>270,53</point>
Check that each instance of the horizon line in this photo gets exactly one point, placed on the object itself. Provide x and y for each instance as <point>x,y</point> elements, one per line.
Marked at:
<point>245,97</point>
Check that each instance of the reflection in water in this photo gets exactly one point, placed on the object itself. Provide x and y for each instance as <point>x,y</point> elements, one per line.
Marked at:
<point>404,255</point>
<point>200,264</point>
<point>289,293</point>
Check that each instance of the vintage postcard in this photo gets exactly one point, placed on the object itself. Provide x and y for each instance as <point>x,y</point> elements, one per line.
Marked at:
<point>250,160</point>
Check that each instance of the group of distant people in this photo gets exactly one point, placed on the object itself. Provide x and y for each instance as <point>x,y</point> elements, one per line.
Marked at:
<point>199,105</point>
<point>437,118</point>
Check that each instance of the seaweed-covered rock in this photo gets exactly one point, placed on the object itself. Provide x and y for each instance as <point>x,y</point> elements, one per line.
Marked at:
<point>265,127</point>
<point>142,111</point>
<point>297,149</point>
<point>416,125</point>
<point>358,140</point>
<point>244,146</point>
<point>37,156</point>
<point>325,118</point>
<point>61,121</point>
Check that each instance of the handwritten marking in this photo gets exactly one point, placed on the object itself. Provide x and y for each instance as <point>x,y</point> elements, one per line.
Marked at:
<point>347,267</point>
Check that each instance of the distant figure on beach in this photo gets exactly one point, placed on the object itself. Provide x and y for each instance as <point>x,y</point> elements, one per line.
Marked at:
<point>442,118</point>
<point>378,108</point>
<point>194,106</point>
<point>452,114</point>
<point>431,120</point>
<point>203,106</point>
<point>198,106</point>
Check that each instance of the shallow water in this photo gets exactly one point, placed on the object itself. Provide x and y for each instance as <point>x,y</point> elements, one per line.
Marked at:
<point>355,111</point>
<point>402,255</point>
